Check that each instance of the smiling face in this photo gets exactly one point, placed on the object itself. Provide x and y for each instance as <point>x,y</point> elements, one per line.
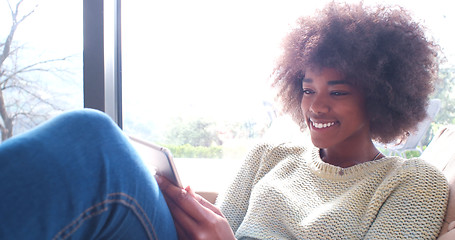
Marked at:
<point>334,111</point>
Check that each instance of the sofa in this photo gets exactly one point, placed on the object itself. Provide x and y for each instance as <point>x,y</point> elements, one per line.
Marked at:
<point>441,153</point>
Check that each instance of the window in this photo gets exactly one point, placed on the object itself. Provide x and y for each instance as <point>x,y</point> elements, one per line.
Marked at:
<point>196,77</point>
<point>41,68</point>
<point>209,63</point>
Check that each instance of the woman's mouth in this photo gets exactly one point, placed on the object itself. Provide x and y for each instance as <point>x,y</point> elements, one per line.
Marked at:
<point>322,125</point>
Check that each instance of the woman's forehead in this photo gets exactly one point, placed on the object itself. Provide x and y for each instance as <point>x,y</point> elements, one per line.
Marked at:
<point>326,73</point>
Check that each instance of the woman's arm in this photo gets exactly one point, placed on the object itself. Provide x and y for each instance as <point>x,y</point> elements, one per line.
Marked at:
<point>416,205</point>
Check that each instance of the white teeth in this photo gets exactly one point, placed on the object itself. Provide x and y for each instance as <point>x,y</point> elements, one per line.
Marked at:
<point>323,125</point>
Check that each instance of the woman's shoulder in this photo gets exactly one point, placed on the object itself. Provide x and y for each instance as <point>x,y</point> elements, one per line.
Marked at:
<point>419,166</point>
<point>269,150</point>
<point>420,172</point>
<point>266,155</point>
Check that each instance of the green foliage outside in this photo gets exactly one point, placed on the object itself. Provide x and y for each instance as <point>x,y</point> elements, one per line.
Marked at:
<point>193,139</point>
<point>197,132</point>
<point>444,91</point>
<point>189,151</point>
<point>412,154</point>
<point>407,154</point>
<point>200,138</point>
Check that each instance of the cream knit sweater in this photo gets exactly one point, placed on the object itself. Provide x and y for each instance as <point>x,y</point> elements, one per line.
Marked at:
<point>288,192</point>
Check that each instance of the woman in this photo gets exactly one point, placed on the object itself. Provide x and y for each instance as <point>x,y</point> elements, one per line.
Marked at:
<point>350,75</point>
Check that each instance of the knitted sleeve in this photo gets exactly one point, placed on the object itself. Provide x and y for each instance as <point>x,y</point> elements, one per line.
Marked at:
<point>235,200</point>
<point>416,205</point>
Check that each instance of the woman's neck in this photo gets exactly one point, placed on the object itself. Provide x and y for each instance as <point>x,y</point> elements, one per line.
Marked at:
<point>343,157</point>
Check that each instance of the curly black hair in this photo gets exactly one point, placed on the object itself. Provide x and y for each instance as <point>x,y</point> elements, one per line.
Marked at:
<point>380,49</point>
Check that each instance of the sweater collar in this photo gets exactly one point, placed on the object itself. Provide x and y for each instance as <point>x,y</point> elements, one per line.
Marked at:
<point>330,171</point>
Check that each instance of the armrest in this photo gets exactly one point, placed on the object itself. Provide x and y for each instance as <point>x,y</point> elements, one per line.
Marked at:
<point>209,196</point>
<point>441,153</point>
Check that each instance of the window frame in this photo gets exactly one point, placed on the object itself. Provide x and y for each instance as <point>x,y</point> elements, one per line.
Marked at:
<point>102,57</point>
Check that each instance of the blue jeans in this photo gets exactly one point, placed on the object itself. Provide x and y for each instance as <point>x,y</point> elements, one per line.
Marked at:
<point>77,177</point>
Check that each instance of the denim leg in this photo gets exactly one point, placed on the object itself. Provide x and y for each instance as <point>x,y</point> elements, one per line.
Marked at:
<point>77,177</point>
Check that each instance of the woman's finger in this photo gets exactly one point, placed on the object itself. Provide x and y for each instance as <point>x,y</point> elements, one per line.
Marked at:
<point>180,216</point>
<point>204,202</point>
<point>184,200</point>
<point>181,232</point>
<point>193,215</point>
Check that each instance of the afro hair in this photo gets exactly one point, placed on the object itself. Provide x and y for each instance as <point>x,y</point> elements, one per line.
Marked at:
<point>380,49</point>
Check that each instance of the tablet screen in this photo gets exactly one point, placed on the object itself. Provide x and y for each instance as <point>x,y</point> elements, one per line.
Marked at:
<point>157,158</point>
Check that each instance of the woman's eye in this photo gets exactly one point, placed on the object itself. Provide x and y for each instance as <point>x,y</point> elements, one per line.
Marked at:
<point>338,93</point>
<point>307,91</point>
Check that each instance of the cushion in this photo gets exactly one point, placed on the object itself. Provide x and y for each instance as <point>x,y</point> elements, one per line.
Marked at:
<point>441,153</point>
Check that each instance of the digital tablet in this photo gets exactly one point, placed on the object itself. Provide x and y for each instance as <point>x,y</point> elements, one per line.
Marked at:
<point>158,159</point>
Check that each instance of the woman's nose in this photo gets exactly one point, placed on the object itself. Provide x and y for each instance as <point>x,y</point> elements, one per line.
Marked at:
<point>319,105</point>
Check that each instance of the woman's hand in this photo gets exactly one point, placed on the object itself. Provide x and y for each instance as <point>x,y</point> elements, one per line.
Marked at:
<point>194,217</point>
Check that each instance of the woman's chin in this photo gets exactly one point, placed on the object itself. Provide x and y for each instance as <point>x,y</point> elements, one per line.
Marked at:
<point>319,143</point>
